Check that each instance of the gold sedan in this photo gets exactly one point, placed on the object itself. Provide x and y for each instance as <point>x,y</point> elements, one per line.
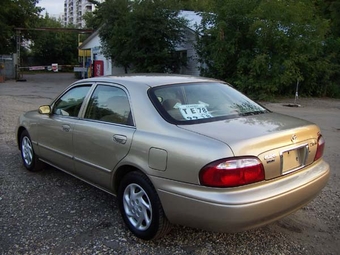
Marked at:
<point>178,150</point>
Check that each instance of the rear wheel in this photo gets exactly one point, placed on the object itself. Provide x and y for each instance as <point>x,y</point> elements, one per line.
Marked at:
<point>140,207</point>
<point>29,158</point>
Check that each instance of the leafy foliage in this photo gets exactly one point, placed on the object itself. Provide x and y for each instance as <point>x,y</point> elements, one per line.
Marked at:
<point>54,47</point>
<point>141,35</point>
<point>193,5</point>
<point>16,13</point>
<point>330,82</point>
<point>266,47</point>
<point>94,19</point>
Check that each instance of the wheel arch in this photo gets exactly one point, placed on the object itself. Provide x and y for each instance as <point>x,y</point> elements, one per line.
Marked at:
<point>156,224</point>
<point>121,172</point>
<point>19,132</point>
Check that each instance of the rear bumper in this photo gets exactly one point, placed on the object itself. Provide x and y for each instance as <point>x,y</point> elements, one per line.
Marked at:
<point>242,208</point>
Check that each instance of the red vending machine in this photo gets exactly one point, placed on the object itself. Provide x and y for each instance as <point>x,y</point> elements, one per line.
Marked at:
<point>98,68</point>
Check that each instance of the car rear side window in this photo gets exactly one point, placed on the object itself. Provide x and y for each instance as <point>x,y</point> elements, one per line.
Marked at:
<point>70,103</point>
<point>201,102</point>
<point>109,104</point>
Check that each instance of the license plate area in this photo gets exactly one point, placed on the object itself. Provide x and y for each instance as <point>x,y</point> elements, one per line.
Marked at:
<point>293,159</point>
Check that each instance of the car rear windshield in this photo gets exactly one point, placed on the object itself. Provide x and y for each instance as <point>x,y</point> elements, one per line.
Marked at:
<point>201,102</point>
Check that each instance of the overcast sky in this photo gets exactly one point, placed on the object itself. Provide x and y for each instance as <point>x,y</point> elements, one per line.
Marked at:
<point>53,7</point>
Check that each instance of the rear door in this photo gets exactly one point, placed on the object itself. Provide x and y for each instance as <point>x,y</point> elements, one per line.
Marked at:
<point>104,135</point>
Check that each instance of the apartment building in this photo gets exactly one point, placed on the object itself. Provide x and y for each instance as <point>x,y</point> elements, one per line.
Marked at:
<point>74,11</point>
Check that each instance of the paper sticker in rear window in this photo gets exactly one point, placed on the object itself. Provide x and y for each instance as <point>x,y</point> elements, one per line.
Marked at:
<point>194,111</point>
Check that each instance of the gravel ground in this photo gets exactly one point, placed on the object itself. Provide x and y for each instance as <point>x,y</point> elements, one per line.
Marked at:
<point>51,212</point>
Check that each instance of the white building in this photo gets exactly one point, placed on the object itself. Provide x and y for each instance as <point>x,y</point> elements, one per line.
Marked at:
<point>74,11</point>
<point>188,47</point>
<point>93,43</point>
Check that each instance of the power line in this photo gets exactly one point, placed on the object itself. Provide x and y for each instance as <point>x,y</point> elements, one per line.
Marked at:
<point>57,29</point>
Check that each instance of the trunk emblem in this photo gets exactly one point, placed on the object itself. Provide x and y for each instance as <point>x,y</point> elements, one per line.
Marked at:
<point>294,138</point>
<point>270,158</point>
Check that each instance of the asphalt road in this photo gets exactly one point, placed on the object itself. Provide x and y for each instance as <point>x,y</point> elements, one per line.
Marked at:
<point>51,212</point>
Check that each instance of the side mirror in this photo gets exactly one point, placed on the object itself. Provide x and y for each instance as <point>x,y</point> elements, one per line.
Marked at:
<point>44,109</point>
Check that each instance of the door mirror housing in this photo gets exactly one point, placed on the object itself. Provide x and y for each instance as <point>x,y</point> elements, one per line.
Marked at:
<point>44,109</point>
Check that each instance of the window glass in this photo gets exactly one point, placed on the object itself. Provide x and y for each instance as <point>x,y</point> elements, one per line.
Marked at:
<point>109,104</point>
<point>69,104</point>
<point>202,102</point>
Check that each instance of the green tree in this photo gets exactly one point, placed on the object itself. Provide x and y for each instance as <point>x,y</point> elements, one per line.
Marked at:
<point>141,35</point>
<point>94,19</point>
<point>54,46</point>
<point>330,10</point>
<point>265,47</point>
<point>193,5</point>
<point>289,44</point>
<point>16,13</point>
<point>224,39</point>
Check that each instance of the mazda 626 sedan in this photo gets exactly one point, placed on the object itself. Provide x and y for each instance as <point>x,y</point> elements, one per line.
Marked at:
<point>178,150</point>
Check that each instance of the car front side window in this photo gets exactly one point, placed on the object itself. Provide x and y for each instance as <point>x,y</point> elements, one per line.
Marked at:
<point>109,104</point>
<point>70,103</point>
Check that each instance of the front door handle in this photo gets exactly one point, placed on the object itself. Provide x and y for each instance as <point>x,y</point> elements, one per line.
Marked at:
<point>120,139</point>
<point>66,127</point>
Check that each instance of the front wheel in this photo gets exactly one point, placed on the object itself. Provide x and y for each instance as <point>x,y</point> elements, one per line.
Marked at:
<point>140,207</point>
<point>29,158</point>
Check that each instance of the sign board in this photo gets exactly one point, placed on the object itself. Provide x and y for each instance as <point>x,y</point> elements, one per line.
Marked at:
<point>98,68</point>
<point>35,68</point>
<point>55,67</point>
<point>79,69</point>
<point>96,50</point>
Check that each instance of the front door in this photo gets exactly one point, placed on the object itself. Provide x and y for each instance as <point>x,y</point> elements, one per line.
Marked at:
<point>56,130</point>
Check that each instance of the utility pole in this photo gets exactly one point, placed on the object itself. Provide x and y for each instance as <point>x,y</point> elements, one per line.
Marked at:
<point>296,92</point>
<point>17,65</point>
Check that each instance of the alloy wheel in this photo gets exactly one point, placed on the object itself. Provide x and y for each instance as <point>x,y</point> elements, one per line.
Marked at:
<point>137,206</point>
<point>27,151</point>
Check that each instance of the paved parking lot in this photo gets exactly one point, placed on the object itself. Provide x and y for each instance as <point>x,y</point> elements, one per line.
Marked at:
<point>52,213</point>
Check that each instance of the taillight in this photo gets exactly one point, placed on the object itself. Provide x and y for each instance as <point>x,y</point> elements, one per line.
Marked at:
<point>320,148</point>
<point>232,172</point>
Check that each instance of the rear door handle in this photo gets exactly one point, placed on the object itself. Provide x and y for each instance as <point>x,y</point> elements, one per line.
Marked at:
<point>66,127</point>
<point>120,139</point>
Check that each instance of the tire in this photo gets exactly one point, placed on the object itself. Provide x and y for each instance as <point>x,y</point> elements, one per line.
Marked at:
<point>141,208</point>
<point>29,158</point>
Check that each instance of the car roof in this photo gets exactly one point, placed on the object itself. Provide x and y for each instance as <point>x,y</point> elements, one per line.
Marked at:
<point>152,80</point>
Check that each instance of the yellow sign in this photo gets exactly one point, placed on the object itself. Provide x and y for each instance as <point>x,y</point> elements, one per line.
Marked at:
<point>84,53</point>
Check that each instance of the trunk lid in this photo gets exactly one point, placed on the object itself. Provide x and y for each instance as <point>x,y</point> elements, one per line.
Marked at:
<point>283,143</point>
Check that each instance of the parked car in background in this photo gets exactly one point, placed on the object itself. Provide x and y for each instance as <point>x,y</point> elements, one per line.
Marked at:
<point>178,150</point>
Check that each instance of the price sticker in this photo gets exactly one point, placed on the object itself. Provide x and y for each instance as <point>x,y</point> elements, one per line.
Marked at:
<point>194,111</point>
